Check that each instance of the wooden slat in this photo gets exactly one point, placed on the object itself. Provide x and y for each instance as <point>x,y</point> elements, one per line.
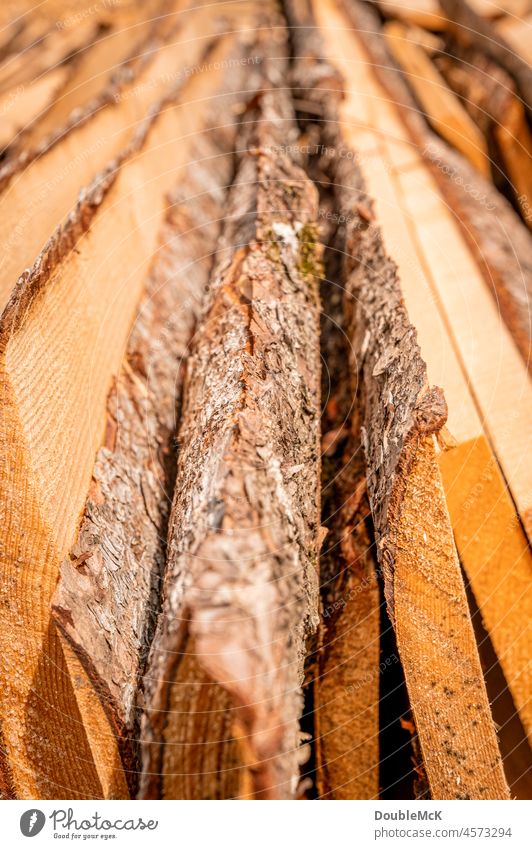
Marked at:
<point>422,13</point>
<point>91,74</point>
<point>25,103</point>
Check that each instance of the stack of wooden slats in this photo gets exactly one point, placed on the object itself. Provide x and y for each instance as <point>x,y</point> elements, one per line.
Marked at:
<point>215,550</point>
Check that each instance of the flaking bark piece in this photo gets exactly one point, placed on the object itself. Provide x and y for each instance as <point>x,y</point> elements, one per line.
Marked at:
<point>241,589</point>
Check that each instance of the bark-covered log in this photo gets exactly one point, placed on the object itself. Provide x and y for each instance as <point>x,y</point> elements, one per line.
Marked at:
<point>241,589</point>
<point>497,237</point>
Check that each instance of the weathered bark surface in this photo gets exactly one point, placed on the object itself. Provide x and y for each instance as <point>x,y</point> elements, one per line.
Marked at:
<point>495,234</point>
<point>474,31</point>
<point>107,599</point>
<point>241,589</point>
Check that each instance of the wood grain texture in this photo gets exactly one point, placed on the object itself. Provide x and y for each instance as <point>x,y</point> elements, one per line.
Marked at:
<point>240,593</point>
<point>94,72</point>
<point>422,13</point>
<point>39,193</point>
<point>23,104</point>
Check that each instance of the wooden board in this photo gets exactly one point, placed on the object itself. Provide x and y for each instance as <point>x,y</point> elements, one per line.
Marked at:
<point>90,75</point>
<point>26,103</point>
<point>422,13</point>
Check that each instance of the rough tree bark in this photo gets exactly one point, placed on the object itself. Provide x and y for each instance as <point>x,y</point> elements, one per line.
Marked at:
<point>495,234</point>
<point>241,589</point>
